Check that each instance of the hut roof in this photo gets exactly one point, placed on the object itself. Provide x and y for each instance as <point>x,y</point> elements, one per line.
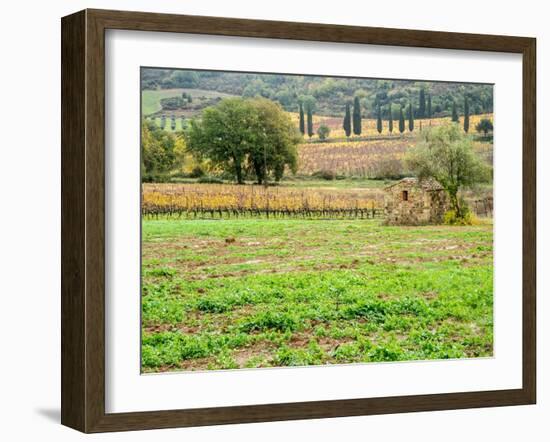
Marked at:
<point>427,184</point>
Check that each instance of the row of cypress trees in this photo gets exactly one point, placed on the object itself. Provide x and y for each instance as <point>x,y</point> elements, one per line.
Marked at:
<point>424,111</point>
<point>309,121</point>
<point>352,120</point>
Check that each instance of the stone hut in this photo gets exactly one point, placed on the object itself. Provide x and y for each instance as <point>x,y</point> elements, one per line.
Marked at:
<point>413,202</point>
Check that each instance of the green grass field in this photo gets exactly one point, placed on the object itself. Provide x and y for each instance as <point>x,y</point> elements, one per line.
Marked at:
<point>258,293</point>
<point>150,99</point>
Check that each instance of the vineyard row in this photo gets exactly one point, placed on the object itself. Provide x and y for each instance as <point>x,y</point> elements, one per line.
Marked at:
<point>153,211</point>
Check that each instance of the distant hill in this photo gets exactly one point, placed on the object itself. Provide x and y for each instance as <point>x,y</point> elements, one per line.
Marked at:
<point>327,95</point>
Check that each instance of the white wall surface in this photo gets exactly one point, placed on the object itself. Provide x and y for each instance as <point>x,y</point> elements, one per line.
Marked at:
<point>30,218</point>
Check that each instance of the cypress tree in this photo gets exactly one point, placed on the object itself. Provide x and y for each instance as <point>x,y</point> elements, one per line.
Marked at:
<point>379,120</point>
<point>347,121</point>
<point>309,122</point>
<point>429,107</point>
<point>401,120</point>
<point>421,104</point>
<point>454,116</point>
<point>390,120</point>
<point>411,118</point>
<point>302,125</point>
<point>466,115</point>
<point>356,116</point>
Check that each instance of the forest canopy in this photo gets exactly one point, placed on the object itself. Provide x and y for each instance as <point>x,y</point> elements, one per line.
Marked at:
<point>328,96</point>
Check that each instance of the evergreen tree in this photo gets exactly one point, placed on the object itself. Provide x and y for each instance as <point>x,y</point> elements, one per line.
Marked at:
<point>379,120</point>
<point>302,125</point>
<point>356,116</point>
<point>466,115</point>
<point>454,116</point>
<point>347,121</point>
<point>401,120</point>
<point>411,118</point>
<point>484,126</point>
<point>429,107</point>
<point>390,120</point>
<point>309,122</point>
<point>421,104</point>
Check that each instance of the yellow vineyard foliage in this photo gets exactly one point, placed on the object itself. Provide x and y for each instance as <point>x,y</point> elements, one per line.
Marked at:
<point>242,199</point>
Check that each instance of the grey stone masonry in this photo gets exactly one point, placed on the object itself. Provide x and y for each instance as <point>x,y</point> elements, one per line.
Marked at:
<point>414,202</point>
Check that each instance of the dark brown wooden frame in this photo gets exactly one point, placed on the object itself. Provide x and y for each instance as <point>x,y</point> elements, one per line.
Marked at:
<point>83,215</point>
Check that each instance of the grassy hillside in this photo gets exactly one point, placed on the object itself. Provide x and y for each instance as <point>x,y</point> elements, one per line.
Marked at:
<point>151,99</point>
<point>328,96</point>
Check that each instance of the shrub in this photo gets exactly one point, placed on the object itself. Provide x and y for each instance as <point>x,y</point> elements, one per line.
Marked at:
<point>485,125</point>
<point>172,103</point>
<point>323,132</point>
<point>467,218</point>
<point>209,180</point>
<point>388,169</point>
<point>197,172</point>
<point>328,175</point>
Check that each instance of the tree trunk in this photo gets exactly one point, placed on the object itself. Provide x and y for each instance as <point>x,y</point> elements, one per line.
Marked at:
<point>238,171</point>
<point>455,203</point>
<point>258,170</point>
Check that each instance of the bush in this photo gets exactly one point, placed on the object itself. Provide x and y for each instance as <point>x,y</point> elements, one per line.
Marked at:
<point>485,125</point>
<point>467,218</point>
<point>155,177</point>
<point>388,169</point>
<point>209,180</point>
<point>172,103</point>
<point>328,175</point>
<point>323,132</point>
<point>197,172</point>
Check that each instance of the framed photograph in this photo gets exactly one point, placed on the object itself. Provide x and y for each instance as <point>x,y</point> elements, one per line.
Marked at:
<point>268,221</point>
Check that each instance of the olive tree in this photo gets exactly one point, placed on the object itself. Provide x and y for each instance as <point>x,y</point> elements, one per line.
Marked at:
<point>323,132</point>
<point>485,125</point>
<point>446,154</point>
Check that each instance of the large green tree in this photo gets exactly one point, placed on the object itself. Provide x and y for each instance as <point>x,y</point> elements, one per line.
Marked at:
<point>157,150</point>
<point>275,141</point>
<point>238,133</point>
<point>429,107</point>
<point>447,155</point>
<point>347,121</point>
<point>357,116</point>
<point>411,117</point>
<point>390,119</point>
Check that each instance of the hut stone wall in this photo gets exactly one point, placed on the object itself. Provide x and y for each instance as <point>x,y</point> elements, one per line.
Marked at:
<point>409,202</point>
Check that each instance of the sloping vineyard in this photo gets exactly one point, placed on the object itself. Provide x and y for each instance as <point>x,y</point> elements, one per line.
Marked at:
<point>367,159</point>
